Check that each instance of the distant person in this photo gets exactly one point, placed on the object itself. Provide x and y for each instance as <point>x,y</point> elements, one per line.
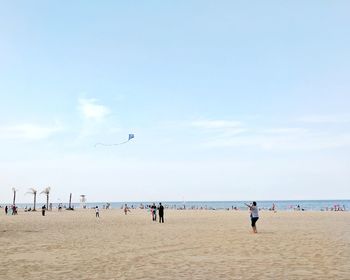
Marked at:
<point>154,212</point>
<point>6,210</point>
<point>43,209</point>
<point>254,215</point>
<point>14,210</point>
<point>97,212</point>
<point>126,209</point>
<point>161,213</point>
<point>273,207</point>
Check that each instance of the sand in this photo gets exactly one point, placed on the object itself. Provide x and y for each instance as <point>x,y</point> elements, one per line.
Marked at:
<point>189,245</point>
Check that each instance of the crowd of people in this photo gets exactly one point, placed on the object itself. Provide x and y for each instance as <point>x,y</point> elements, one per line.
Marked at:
<point>157,211</point>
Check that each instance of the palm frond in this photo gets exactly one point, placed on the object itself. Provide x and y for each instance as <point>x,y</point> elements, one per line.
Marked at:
<point>32,191</point>
<point>46,190</point>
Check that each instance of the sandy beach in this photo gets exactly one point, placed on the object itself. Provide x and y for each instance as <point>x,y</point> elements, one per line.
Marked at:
<point>189,245</point>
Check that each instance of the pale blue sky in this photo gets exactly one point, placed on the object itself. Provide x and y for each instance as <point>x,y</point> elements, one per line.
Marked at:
<point>228,100</point>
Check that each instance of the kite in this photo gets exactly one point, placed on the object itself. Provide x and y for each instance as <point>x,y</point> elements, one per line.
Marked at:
<point>131,136</point>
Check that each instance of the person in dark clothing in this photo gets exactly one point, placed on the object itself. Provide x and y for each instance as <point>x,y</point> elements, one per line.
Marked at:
<point>6,209</point>
<point>161,213</point>
<point>43,209</point>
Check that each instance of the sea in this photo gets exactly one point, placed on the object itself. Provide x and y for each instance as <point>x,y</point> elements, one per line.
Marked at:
<point>284,205</point>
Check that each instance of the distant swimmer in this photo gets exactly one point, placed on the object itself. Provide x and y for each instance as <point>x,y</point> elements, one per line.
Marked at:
<point>97,212</point>
<point>254,215</point>
<point>161,213</point>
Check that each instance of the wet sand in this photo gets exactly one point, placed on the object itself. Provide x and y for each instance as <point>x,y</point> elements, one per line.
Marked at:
<point>189,245</point>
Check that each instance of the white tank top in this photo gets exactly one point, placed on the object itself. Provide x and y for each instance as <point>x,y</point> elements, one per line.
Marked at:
<point>255,212</point>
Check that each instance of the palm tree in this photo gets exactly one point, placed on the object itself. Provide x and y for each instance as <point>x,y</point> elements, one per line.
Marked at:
<point>46,191</point>
<point>14,195</point>
<point>33,192</point>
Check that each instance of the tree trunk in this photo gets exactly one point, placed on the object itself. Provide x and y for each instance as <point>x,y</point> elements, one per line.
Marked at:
<point>70,201</point>
<point>14,197</point>
<point>34,207</point>
<point>47,202</point>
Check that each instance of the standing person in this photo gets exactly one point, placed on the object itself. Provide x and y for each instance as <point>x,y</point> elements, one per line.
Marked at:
<point>126,209</point>
<point>97,211</point>
<point>154,212</point>
<point>274,208</point>
<point>43,209</point>
<point>161,213</point>
<point>254,215</point>
<point>6,210</point>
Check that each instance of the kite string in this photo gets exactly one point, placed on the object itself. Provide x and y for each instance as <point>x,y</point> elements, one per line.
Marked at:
<point>108,145</point>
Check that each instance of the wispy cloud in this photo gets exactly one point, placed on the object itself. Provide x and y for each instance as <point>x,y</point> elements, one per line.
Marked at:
<point>216,124</point>
<point>234,134</point>
<point>280,142</point>
<point>284,130</point>
<point>337,118</point>
<point>29,131</point>
<point>221,127</point>
<point>91,110</point>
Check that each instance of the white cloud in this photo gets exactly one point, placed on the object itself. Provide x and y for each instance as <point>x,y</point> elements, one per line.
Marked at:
<point>29,131</point>
<point>91,110</point>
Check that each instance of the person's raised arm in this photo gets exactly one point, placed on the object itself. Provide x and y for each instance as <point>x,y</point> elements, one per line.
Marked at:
<point>250,207</point>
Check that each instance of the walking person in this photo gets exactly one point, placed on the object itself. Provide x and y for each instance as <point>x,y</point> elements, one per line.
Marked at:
<point>161,213</point>
<point>43,209</point>
<point>254,215</point>
<point>97,212</point>
<point>6,210</point>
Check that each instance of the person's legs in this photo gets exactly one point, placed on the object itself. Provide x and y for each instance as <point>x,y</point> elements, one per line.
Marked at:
<point>254,220</point>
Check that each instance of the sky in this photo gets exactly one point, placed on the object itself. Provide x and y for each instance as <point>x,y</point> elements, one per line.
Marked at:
<point>228,100</point>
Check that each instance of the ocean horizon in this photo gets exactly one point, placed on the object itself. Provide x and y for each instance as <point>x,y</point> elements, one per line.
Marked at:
<point>314,205</point>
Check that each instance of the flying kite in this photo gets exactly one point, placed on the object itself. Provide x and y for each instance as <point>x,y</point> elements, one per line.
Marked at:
<point>131,136</point>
